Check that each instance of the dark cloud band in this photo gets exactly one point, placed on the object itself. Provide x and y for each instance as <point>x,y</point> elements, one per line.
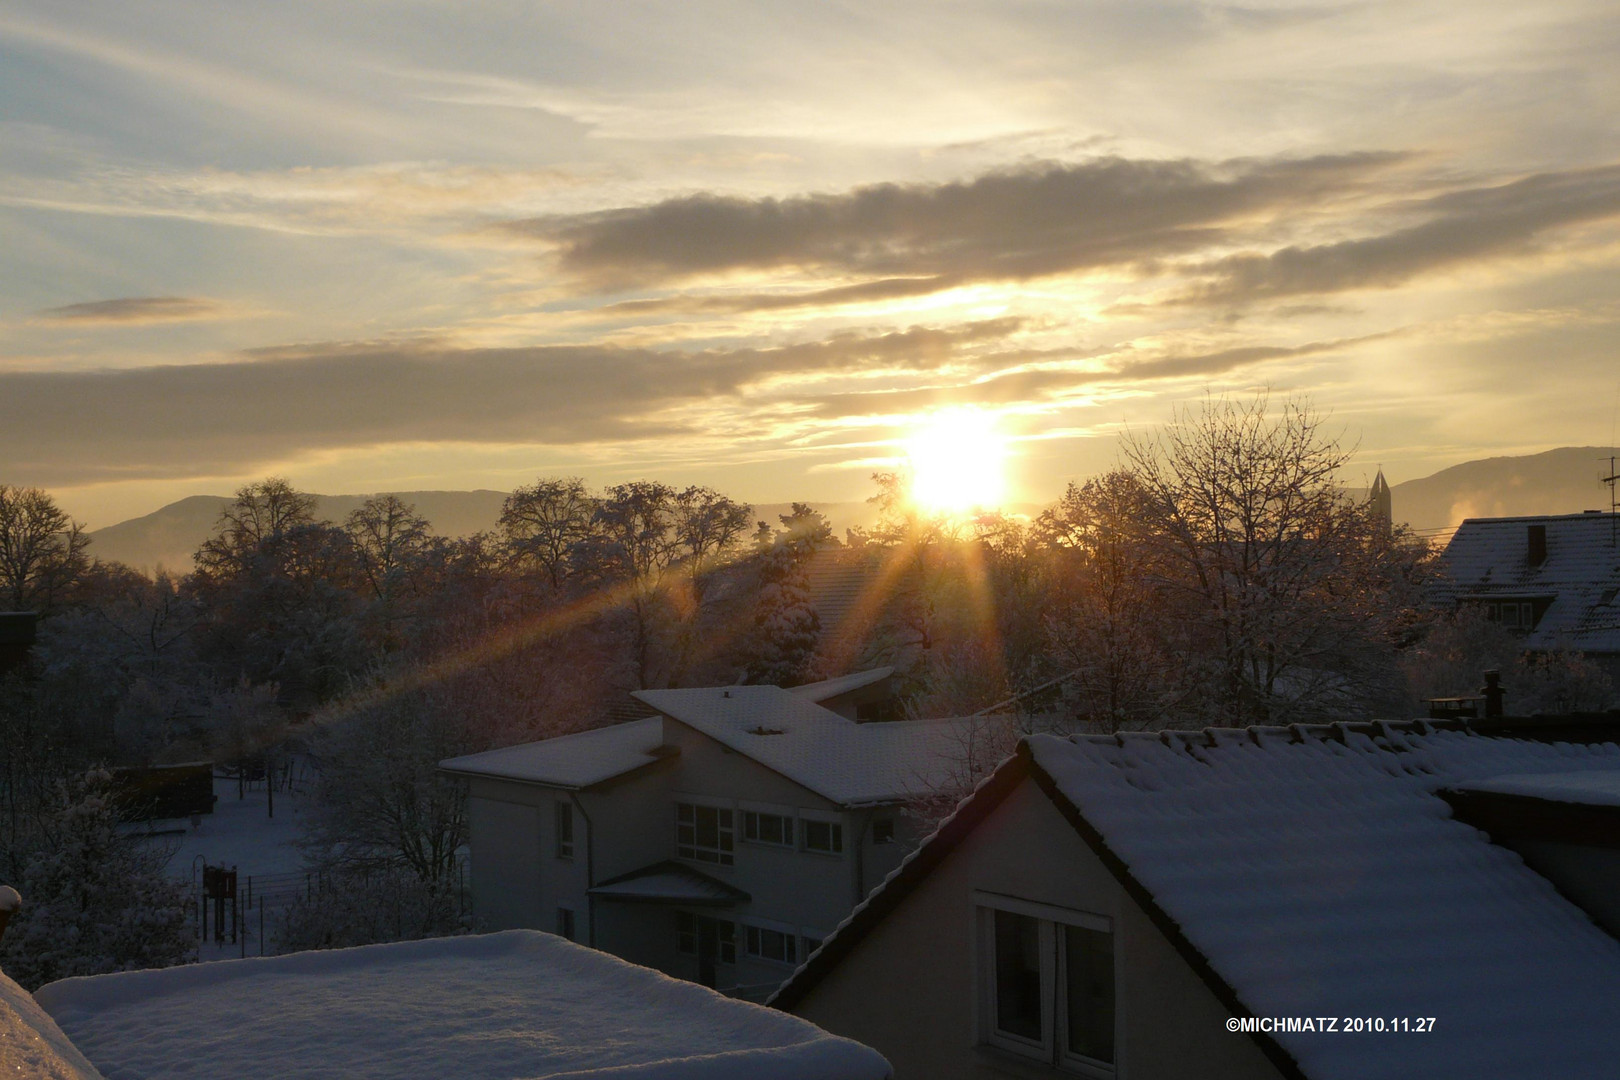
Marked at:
<point>134,309</point>
<point>207,419</point>
<point>1008,225</point>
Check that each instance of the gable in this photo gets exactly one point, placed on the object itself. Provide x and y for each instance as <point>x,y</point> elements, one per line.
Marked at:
<point>907,985</point>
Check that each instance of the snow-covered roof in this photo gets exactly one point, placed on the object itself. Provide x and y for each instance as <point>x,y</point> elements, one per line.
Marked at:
<point>1321,874</point>
<point>844,684</point>
<point>1585,788</point>
<point>514,1004</point>
<point>1488,558</point>
<point>32,1045</point>
<point>845,762</point>
<point>670,882</point>
<point>1318,872</point>
<point>570,761</point>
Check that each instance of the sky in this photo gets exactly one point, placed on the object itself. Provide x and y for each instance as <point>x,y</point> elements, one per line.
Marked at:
<point>408,245</point>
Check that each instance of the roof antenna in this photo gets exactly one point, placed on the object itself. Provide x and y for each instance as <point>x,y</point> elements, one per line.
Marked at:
<point>1613,505</point>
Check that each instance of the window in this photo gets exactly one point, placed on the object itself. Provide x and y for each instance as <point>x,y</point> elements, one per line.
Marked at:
<point>770,945</point>
<point>705,938</point>
<point>826,837</point>
<point>565,923</point>
<point>768,828</point>
<point>883,830</point>
<point>704,833</point>
<point>565,830</point>
<point>1514,614</point>
<point>1047,988</point>
<point>808,945</point>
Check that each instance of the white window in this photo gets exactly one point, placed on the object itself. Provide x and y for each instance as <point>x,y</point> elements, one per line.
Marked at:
<point>826,837</point>
<point>564,820</point>
<point>768,944</point>
<point>763,828</point>
<point>1047,984</point>
<point>704,833</point>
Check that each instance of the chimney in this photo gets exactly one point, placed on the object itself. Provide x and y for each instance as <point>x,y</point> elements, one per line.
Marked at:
<point>1493,693</point>
<point>1538,544</point>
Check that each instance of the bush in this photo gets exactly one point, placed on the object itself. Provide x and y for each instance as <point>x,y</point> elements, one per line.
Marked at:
<point>367,907</point>
<point>94,899</point>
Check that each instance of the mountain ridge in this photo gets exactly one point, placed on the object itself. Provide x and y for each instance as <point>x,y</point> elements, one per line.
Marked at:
<point>1565,480</point>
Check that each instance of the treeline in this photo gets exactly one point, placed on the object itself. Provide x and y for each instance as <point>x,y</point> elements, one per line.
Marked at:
<point>1217,576</point>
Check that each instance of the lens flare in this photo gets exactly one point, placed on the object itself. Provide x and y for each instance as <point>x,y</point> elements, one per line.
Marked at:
<point>957,462</point>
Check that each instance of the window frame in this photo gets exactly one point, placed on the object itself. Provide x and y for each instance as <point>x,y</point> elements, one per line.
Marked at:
<point>687,929</point>
<point>562,830</point>
<point>754,941</point>
<point>725,851</point>
<point>1052,1047</point>
<point>567,924</point>
<point>835,826</point>
<point>887,824</point>
<point>751,817</point>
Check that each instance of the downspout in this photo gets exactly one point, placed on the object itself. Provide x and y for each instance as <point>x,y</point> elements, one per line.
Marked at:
<point>590,871</point>
<point>860,857</point>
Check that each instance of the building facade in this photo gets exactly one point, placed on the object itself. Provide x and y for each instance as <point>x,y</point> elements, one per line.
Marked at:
<point>719,841</point>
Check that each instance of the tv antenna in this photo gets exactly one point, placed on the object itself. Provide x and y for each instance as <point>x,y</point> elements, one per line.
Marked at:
<point>1611,479</point>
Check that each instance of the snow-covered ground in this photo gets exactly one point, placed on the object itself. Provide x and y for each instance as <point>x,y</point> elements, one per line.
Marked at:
<point>240,833</point>
<point>513,1004</point>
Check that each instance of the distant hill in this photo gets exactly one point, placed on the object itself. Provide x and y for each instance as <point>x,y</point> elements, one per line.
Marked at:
<point>1563,481</point>
<point>167,537</point>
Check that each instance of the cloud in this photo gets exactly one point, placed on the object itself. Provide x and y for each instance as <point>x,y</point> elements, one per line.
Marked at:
<point>135,310</point>
<point>1051,382</point>
<point>1007,225</point>
<point>740,303</point>
<point>1463,226</point>
<point>75,427</point>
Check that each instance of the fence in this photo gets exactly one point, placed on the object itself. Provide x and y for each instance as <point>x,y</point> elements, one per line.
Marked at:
<point>230,907</point>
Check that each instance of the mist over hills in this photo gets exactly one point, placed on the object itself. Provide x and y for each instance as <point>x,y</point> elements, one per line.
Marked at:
<point>1562,481</point>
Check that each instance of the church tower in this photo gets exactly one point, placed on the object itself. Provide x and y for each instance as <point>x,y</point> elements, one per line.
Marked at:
<point>1383,507</point>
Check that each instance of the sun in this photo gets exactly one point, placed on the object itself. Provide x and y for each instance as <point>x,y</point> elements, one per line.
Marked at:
<point>957,462</point>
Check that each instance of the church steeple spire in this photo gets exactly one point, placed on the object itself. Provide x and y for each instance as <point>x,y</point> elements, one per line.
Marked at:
<point>1383,508</point>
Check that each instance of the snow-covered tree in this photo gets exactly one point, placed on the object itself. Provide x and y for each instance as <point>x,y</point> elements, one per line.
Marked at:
<point>95,900</point>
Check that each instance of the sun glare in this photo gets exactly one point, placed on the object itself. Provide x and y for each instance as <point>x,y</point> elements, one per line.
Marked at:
<point>956,460</point>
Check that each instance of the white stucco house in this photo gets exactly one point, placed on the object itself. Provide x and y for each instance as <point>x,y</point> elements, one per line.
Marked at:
<point>1323,902</point>
<point>718,841</point>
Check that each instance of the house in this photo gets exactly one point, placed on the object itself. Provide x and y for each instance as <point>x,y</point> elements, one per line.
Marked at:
<point>1553,580</point>
<point>515,1004</point>
<point>719,840</point>
<point>1329,902</point>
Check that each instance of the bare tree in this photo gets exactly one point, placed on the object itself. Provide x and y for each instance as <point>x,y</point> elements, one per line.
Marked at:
<point>260,513</point>
<point>637,547</point>
<point>1283,579</point>
<point>42,551</point>
<point>545,522</point>
<point>1106,618</point>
